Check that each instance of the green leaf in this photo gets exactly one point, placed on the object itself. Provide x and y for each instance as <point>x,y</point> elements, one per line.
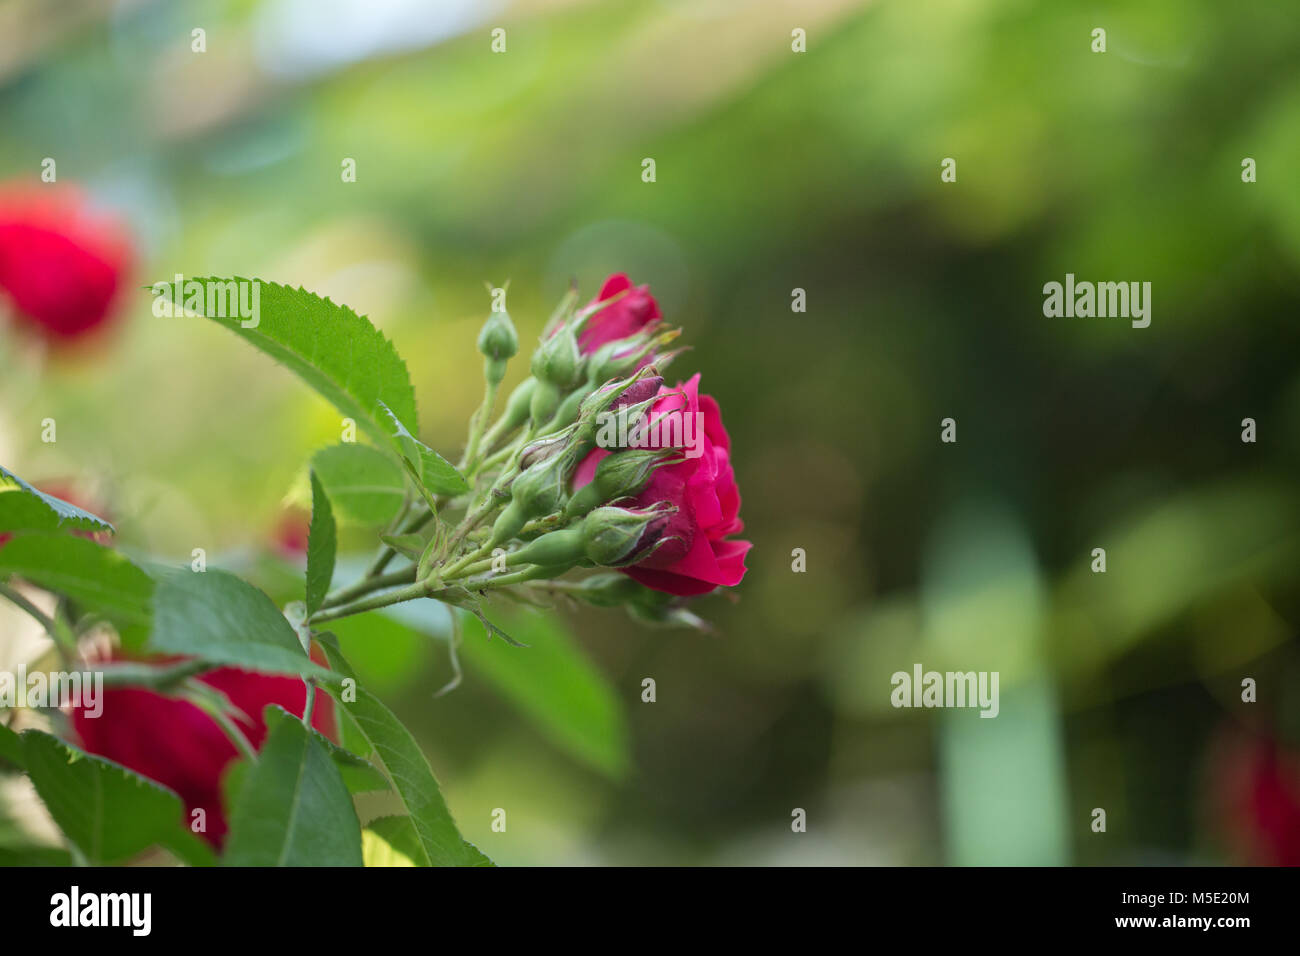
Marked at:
<point>552,681</point>
<point>359,774</point>
<point>11,747</point>
<point>108,812</point>
<point>391,841</point>
<point>435,473</point>
<point>100,578</point>
<point>364,485</point>
<point>334,350</point>
<point>24,508</point>
<point>218,617</point>
<point>440,841</point>
<point>293,808</point>
<point>410,545</point>
<point>322,541</point>
<point>34,856</point>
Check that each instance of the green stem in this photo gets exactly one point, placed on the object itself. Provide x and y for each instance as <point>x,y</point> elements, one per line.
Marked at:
<point>311,701</point>
<point>153,677</point>
<point>368,585</point>
<point>477,425</point>
<point>418,589</point>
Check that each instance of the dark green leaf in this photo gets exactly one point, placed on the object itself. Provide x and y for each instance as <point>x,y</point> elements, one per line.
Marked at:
<point>109,812</point>
<point>100,578</point>
<point>293,807</point>
<point>364,485</point>
<point>337,352</point>
<point>322,541</point>
<point>34,856</point>
<point>11,747</point>
<point>407,769</point>
<point>218,617</point>
<point>24,508</point>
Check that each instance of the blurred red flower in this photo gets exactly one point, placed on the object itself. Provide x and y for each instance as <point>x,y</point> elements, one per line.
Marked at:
<point>1256,784</point>
<point>175,743</point>
<point>61,264</point>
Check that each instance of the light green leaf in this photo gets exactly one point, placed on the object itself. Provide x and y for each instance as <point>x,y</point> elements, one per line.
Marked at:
<point>410,545</point>
<point>109,812</point>
<point>100,578</point>
<point>364,485</point>
<point>435,473</point>
<point>24,508</point>
<point>293,808</point>
<point>218,617</point>
<point>391,841</point>
<point>322,541</point>
<point>440,841</point>
<point>552,681</point>
<point>334,350</point>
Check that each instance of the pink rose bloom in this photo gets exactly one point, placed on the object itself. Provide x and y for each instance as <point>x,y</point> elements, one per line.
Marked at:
<point>61,266</point>
<point>697,555</point>
<point>628,316</point>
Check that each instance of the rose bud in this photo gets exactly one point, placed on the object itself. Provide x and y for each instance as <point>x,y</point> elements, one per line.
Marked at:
<point>535,492</point>
<point>635,395</point>
<point>558,550</point>
<point>544,448</point>
<point>698,554</point>
<point>617,476</point>
<point>557,367</point>
<point>629,313</point>
<point>498,342</point>
<point>625,356</point>
<point>61,265</point>
<point>172,741</point>
<point>616,536</point>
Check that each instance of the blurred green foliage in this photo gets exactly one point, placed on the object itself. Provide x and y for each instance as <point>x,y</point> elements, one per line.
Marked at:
<point>775,171</point>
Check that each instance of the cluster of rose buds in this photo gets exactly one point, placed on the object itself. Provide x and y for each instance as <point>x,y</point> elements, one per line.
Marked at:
<point>560,498</point>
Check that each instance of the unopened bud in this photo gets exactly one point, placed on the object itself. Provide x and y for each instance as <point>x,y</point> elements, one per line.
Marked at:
<point>620,475</point>
<point>498,343</point>
<point>557,359</point>
<point>613,537</point>
<point>556,549</point>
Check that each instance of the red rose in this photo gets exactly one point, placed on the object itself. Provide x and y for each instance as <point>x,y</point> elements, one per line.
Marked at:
<point>628,316</point>
<point>1258,799</point>
<point>696,556</point>
<point>178,745</point>
<point>61,265</point>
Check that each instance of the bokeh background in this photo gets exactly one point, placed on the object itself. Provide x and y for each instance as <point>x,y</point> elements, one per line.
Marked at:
<point>776,170</point>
